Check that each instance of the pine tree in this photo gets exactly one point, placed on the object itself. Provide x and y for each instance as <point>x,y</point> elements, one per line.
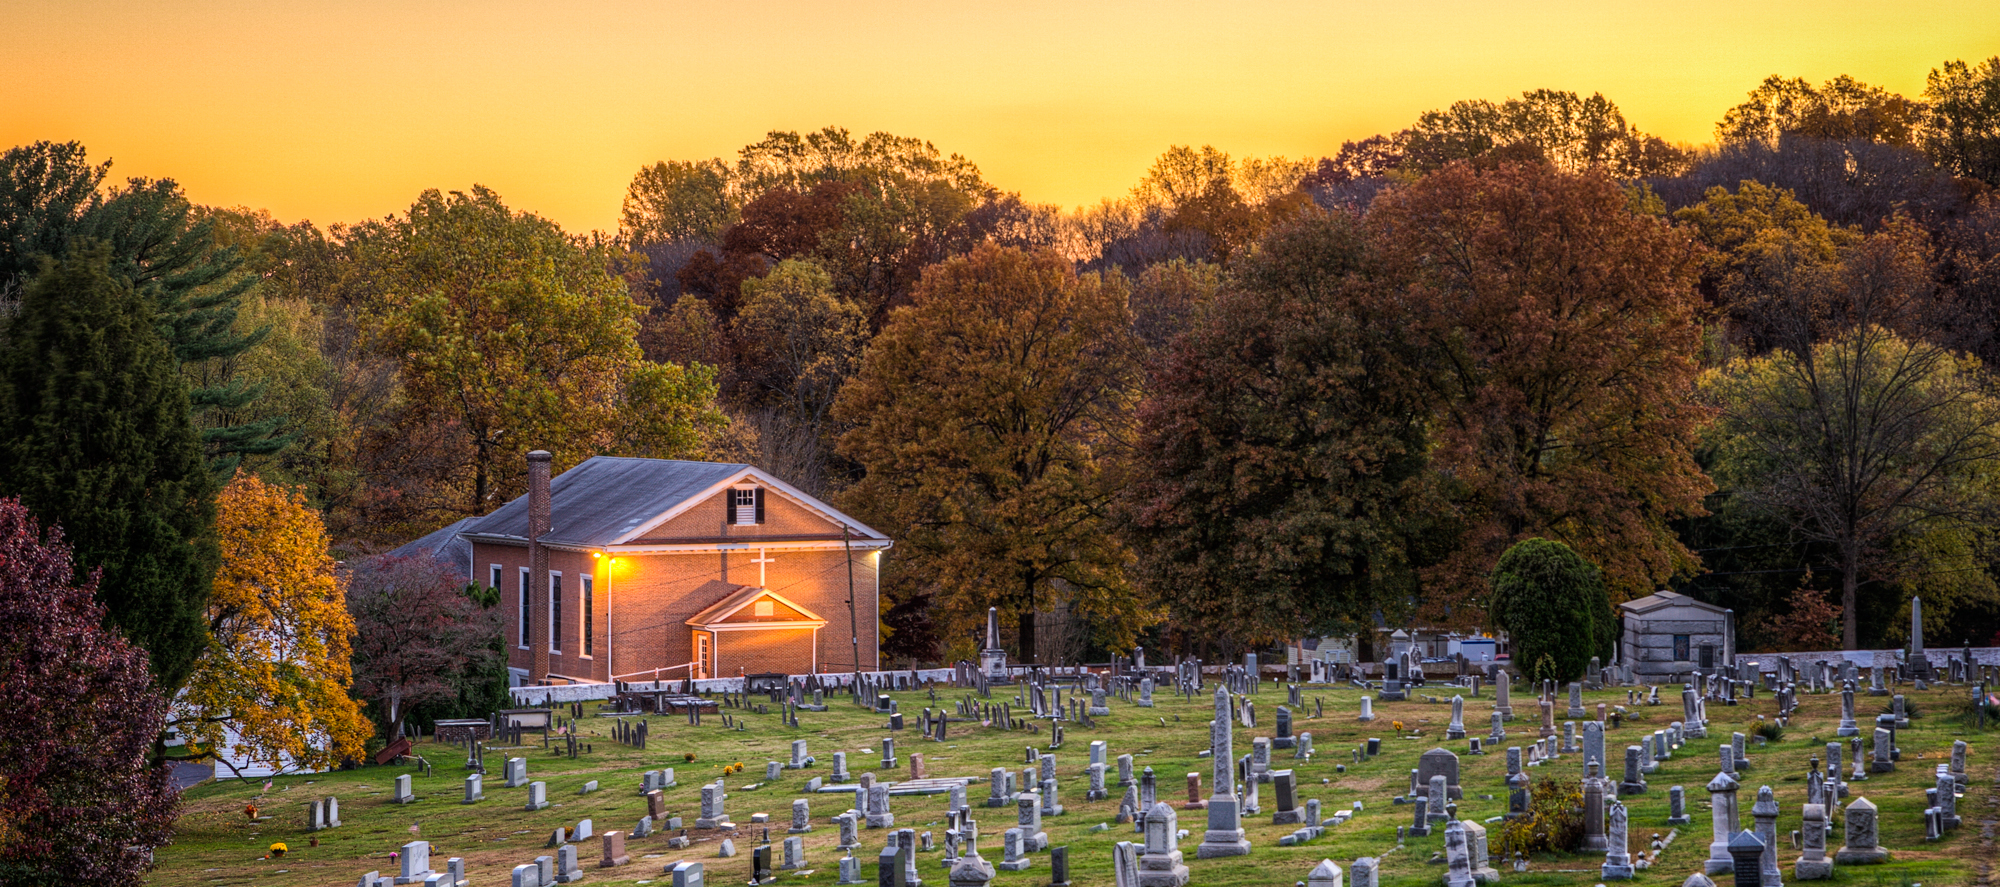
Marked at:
<point>51,198</point>
<point>95,437</point>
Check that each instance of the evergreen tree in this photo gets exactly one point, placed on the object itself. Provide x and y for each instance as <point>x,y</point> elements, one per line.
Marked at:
<point>95,437</point>
<point>51,198</point>
<point>1552,603</point>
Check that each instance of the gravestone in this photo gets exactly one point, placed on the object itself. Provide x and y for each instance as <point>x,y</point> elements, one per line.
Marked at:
<point>1161,863</point>
<point>1812,864</point>
<point>416,861</point>
<point>402,793</point>
<point>1439,762</point>
<point>801,817</point>
<point>538,797</point>
<point>517,772</point>
<point>614,850</point>
<point>1617,855</point>
<point>712,812</point>
<point>1677,806</point>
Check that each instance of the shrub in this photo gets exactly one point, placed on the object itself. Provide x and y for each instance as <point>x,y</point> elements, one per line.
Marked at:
<point>1552,603</point>
<point>1554,823</point>
<point>1772,731</point>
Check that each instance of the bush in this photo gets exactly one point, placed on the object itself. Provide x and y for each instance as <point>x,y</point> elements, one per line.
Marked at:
<point>1552,603</point>
<point>1772,731</point>
<point>1554,823</point>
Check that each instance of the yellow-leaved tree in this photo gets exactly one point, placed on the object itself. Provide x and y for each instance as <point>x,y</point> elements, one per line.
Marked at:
<point>274,679</point>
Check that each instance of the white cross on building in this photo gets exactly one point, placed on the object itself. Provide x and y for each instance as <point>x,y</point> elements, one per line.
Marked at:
<point>760,560</point>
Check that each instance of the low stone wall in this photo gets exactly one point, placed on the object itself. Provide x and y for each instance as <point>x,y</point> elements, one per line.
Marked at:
<point>562,693</point>
<point>1866,658</point>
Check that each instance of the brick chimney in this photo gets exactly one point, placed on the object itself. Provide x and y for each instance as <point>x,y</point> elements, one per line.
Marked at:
<point>538,562</point>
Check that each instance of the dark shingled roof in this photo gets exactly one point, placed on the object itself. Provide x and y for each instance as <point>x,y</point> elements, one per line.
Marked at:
<point>443,544</point>
<point>607,497</point>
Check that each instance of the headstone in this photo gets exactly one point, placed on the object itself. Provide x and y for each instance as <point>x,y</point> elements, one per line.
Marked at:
<point>1326,874</point>
<point>416,861</point>
<point>538,796</point>
<point>878,815</point>
<point>1456,729</point>
<point>1439,762</point>
<point>1617,855</point>
<point>567,869</point>
<point>795,854</point>
<point>614,850</point>
<point>1812,864</point>
<point>1457,857</point>
<point>517,772</point>
<point>1745,852</point>
<point>686,874</point>
<point>1765,811</point>
<point>1635,781</point>
<point>712,812</point>
<point>1576,701</point>
<point>1288,810</point>
<point>402,793</point>
<point>1160,865</point>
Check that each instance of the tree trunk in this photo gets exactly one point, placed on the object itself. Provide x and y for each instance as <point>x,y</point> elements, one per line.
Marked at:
<point>1849,630</point>
<point>1027,637</point>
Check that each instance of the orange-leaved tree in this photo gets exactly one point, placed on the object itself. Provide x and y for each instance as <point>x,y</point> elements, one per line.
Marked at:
<point>274,680</point>
<point>1565,324</point>
<point>991,415</point>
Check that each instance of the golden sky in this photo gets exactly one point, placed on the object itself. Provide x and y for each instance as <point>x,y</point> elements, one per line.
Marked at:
<point>339,110</point>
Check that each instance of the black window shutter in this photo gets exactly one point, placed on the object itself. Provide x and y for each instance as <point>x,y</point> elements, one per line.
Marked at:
<point>729,507</point>
<point>760,504</point>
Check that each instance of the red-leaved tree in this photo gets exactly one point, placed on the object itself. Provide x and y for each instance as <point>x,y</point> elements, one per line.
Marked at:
<point>79,800</point>
<point>416,631</point>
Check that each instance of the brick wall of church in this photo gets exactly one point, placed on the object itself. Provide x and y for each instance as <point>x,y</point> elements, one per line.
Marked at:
<point>643,603</point>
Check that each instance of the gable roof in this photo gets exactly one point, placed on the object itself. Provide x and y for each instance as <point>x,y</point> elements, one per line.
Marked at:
<point>1665,598</point>
<point>718,614</point>
<point>443,544</point>
<point>611,500</point>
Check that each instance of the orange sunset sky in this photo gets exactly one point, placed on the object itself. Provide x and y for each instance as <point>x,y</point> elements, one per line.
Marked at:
<point>337,111</point>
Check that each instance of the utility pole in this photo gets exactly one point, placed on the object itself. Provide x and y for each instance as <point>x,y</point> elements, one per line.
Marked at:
<point>853,630</point>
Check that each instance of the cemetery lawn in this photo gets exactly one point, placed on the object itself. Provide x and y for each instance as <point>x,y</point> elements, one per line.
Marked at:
<point>217,844</point>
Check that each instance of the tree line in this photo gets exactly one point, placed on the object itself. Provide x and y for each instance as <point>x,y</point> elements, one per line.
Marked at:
<point>1253,399</point>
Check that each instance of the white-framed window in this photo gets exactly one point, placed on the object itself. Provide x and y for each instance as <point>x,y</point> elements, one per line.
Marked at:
<point>764,607</point>
<point>494,581</point>
<point>555,612</point>
<point>589,614</point>
<point>746,505</point>
<point>527,609</point>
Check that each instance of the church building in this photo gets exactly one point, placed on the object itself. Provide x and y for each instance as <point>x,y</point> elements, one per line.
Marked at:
<point>632,569</point>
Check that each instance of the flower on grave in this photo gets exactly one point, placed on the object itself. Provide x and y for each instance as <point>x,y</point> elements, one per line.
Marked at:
<point>278,849</point>
<point>250,810</point>
<point>688,757</point>
<point>1398,725</point>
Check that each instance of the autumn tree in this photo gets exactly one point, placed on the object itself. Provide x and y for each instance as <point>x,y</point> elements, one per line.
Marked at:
<point>1882,448</point>
<point>78,792</point>
<point>1571,131</point>
<point>988,416</point>
<point>1964,131</point>
<point>95,434</point>
<point>274,681</point>
<point>1841,108</point>
<point>514,336</point>
<point>418,634</point>
<point>1280,482</point>
<point>1565,325</point>
<point>677,200</point>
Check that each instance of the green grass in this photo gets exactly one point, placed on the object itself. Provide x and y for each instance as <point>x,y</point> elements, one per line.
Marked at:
<point>217,845</point>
